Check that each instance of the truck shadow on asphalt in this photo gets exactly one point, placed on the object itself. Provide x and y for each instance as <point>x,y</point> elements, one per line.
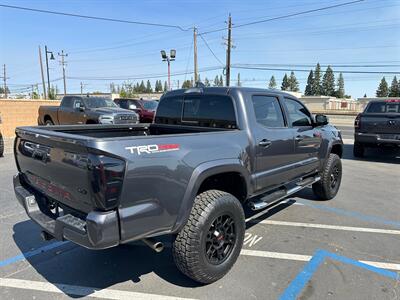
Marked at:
<point>380,155</point>
<point>95,270</point>
<point>99,269</point>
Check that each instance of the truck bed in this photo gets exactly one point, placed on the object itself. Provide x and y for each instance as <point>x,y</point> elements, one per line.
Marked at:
<point>114,131</point>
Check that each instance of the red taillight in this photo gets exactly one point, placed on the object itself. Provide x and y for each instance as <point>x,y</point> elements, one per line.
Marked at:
<point>357,121</point>
<point>107,174</point>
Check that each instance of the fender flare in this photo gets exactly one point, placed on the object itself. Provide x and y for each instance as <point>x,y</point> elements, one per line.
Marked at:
<point>200,173</point>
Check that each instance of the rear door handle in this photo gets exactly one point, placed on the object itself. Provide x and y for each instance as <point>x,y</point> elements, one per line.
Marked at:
<point>299,138</point>
<point>264,143</point>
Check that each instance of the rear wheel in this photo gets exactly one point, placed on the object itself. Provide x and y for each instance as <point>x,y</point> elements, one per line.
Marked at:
<point>1,145</point>
<point>210,243</point>
<point>358,150</point>
<point>331,177</point>
<point>48,122</point>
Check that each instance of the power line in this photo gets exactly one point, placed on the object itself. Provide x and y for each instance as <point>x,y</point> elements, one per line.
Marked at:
<point>209,48</point>
<point>286,16</point>
<point>145,76</point>
<point>93,17</point>
<point>237,66</point>
<point>323,65</point>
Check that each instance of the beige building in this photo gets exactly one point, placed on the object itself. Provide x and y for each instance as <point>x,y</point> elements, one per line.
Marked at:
<point>322,103</point>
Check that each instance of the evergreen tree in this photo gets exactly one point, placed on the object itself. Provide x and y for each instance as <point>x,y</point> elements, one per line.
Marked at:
<point>340,87</point>
<point>328,82</point>
<point>238,80</point>
<point>165,86</point>
<point>317,89</point>
<point>365,95</point>
<point>293,83</point>
<point>383,89</point>
<point>149,89</point>
<point>122,92</point>
<point>52,92</point>
<point>309,91</point>
<point>394,88</point>
<point>272,83</point>
<point>221,81</point>
<point>285,83</point>
<point>142,87</point>
<point>186,84</point>
<point>207,82</point>
<point>216,81</point>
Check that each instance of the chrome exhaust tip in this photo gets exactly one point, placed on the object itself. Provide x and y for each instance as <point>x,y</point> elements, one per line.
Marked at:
<point>155,245</point>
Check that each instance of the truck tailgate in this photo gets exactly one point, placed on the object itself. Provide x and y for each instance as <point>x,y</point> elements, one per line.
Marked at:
<point>380,123</point>
<point>57,168</point>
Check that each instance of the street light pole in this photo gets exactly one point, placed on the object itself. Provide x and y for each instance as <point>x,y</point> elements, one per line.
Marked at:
<point>169,74</point>
<point>168,59</point>
<point>47,68</point>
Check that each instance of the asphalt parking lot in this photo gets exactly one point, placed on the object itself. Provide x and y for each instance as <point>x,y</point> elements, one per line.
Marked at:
<point>346,248</point>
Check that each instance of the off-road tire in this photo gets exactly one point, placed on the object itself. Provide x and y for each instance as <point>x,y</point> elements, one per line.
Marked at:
<point>1,145</point>
<point>327,187</point>
<point>358,150</point>
<point>189,247</point>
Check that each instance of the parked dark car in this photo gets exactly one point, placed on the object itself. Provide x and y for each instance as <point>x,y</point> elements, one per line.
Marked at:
<point>85,110</point>
<point>377,126</point>
<point>144,108</point>
<point>209,152</point>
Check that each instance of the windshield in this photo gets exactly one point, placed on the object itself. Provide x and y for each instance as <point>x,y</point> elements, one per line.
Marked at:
<point>97,102</point>
<point>150,105</point>
<point>384,107</point>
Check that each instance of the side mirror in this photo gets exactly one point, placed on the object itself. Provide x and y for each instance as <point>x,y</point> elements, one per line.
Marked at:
<point>321,120</point>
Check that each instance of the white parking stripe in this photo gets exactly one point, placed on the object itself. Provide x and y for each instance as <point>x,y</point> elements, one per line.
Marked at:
<point>299,257</point>
<point>323,226</point>
<point>79,290</point>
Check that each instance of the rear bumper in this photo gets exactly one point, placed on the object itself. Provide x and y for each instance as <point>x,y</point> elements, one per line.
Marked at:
<point>374,139</point>
<point>100,230</point>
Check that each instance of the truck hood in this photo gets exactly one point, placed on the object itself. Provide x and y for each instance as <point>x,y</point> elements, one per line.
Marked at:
<point>112,110</point>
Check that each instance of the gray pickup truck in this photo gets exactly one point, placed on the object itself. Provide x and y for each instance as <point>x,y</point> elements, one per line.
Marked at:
<point>377,126</point>
<point>209,152</point>
<point>85,110</point>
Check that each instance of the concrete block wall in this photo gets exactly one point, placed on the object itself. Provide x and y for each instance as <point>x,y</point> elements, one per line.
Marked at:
<point>15,113</point>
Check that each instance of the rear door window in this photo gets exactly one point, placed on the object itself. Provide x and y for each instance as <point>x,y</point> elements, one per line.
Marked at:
<point>267,111</point>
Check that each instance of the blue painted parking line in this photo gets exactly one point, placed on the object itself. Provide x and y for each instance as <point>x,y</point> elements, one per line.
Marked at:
<point>28,254</point>
<point>300,281</point>
<point>353,214</point>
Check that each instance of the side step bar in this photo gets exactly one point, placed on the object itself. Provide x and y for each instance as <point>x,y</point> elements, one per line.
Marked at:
<point>281,194</point>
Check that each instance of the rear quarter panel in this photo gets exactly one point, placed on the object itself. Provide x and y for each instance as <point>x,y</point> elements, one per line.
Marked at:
<point>51,111</point>
<point>156,183</point>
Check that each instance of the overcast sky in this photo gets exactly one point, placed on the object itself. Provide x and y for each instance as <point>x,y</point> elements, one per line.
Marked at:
<point>359,34</point>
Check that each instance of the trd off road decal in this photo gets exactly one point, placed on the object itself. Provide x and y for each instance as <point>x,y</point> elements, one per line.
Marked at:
<point>152,148</point>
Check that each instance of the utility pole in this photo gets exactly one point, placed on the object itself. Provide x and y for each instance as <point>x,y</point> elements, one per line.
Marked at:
<point>5,81</point>
<point>195,53</point>
<point>41,70</point>
<point>81,88</point>
<point>63,63</point>
<point>228,52</point>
